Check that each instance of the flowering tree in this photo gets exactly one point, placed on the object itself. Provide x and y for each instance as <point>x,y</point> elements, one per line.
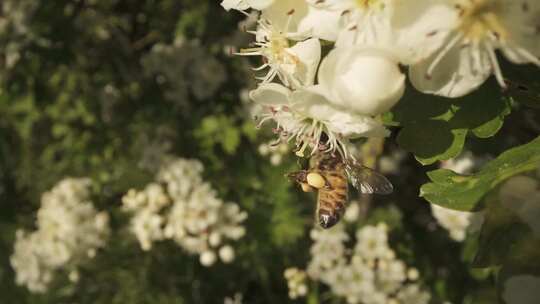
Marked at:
<point>144,147</point>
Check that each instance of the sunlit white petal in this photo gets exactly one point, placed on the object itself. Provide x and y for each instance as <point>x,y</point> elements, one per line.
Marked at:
<point>365,81</point>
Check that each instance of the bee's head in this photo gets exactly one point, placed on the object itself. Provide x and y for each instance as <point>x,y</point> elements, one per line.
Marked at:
<point>298,176</point>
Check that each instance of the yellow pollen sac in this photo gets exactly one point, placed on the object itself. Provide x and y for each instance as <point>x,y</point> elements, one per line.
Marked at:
<point>315,180</point>
<point>307,188</point>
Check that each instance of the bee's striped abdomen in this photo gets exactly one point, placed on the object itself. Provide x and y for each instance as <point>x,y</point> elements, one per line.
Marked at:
<point>332,199</point>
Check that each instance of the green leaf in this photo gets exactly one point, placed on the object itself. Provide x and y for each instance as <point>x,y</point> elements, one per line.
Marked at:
<point>231,140</point>
<point>444,142</point>
<point>434,128</point>
<point>219,129</point>
<point>460,192</point>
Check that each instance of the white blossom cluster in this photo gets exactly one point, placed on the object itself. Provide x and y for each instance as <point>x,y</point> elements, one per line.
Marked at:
<point>367,273</point>
<point>458,223</point>
<point>448,46</point>
<point>69,232</point>
<point>180,206</point>
<point>275,151</point>
<point>296,281</point>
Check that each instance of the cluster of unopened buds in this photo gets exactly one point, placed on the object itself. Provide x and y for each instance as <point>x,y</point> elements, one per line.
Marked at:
<point>448,46</point>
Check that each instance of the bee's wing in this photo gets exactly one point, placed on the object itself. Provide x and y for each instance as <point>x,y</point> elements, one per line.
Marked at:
<point>367,180</point>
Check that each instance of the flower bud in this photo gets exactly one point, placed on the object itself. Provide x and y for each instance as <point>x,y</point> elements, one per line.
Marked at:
<point>366,81</point>
<point>226,254</point>
<point>207,258</point>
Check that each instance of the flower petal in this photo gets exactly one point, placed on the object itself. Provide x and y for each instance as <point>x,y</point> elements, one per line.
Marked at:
<point>309,54</point>
<point>354,126</point>
<point>366,81</point>
<point>270,94</point>
<point>522,20</point>
<point>260,4</point>
<point>322,24</point>
<point>286,15</point>
<point>240,5</point>
<point>460,71</point>
<point>310,103</point>
<point>419,28</point>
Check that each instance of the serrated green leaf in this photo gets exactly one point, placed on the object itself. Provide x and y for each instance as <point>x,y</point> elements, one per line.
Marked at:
<point>435,128</point>
<point>488,129</point>
<point>461,192</point>
<point>439,140</point>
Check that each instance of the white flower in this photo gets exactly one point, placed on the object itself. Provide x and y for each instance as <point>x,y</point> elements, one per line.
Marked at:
<point>327,251</point>
<point>465,163</point>
<point>468,57</point>
<point>287,38</point>
<point>353,212</point>
<point>457,222</point>
<point>294,65</point>
<point>214,239</point>
<point>296,281</point>
<point>184,208</point>
<point>412,294</point>
<point>69,228</point>
<point>372,241</point>
<point>363,81</point>
<point>276,151</point>
<point>276,159</point>
<point>207,258</point>
<point>243,5</point>
<point>413,274</point>
<point>74,276</point>
<point>303,20</point>
<point>521,289</point>
<point>264,149</point>
<point>364,277</point>
<point>311,121</point>
<point>226,254</point>
<point>408,30</point>
<point>148,227</point>
<point>390,164</point>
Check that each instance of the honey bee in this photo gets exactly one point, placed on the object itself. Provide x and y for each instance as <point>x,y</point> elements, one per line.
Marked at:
<point>329,174</point>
